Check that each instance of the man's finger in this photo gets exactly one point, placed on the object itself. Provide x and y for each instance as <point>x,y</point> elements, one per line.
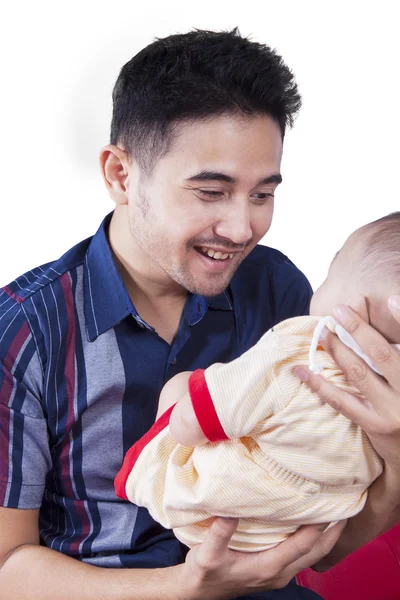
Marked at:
<point>320,549</point>
<point>218,536</point>
<point>356,409</point>
<point>383,356</point>
<point>354,367</point>
<point>357,372</point>
<point>294,547</point>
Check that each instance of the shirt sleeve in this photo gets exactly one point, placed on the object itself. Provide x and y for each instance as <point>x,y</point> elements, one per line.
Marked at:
<point>24,450</point>
<point>230,400</point>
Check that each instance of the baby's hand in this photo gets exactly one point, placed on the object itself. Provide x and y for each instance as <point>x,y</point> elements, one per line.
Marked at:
<point>173,391</point>
<point>184,426</point>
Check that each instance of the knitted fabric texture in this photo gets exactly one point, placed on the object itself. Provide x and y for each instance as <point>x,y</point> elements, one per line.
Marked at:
<point>287,460</point>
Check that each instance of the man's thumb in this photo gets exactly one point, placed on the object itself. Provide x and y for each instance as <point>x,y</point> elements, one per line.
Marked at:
<point>219,534</point>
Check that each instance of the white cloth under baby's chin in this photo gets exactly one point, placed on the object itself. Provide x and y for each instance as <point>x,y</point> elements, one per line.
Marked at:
<point>344,337</point>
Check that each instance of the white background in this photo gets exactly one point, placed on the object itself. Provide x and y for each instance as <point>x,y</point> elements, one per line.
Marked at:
<point>59,61</point>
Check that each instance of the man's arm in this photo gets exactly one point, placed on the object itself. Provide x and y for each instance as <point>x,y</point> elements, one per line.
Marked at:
<point>378,415</point>
<point>29,571</point>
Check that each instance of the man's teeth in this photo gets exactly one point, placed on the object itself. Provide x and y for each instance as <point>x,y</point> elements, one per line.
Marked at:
<point>215,255</point>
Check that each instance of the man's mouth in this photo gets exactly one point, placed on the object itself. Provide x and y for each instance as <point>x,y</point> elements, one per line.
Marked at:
<point>214,254</point>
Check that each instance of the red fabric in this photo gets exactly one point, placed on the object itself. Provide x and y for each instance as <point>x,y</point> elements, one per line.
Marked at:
<point>12,295</point>
<point>134,451</point>
<point>371,573</point>
<point>204,409</point>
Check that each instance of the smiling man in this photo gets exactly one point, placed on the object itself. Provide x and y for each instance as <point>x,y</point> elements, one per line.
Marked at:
<point>189,224</point>
<point>208,201</point>
<point>174,280</point>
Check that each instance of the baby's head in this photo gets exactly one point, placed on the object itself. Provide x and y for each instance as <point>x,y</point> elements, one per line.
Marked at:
<point>363,274</point>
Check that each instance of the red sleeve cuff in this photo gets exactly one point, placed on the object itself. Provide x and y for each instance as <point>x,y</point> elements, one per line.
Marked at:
<point>204,409</point>
<point>134,452</point>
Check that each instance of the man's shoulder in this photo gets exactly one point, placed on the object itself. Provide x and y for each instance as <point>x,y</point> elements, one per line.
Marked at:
<point>265,256</point>
<point>267,288</point>
<point>36,283</point>
<point>269,267</point>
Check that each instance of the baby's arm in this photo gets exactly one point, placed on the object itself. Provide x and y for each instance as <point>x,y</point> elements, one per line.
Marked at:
<point>226,400</point>
<point>184,426</point>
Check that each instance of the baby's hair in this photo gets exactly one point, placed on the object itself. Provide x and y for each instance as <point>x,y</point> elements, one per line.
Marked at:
<point>381,250</point>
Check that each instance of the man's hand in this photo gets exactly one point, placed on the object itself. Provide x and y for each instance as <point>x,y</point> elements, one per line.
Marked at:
<point>378,414</point>
<point>213,571</point>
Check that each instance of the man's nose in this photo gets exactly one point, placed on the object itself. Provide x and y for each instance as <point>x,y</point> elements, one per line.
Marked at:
<point>234,224</point>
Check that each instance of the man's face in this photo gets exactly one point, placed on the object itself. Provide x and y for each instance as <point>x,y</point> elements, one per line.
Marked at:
<point>208,201</point>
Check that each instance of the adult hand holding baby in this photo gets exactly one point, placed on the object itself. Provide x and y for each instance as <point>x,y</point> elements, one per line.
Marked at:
<point>213,571</point>
<point>378,413</point>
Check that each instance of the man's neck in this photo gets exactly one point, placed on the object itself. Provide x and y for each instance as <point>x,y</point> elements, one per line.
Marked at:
<point>157,298</point>
<point>161,312</point>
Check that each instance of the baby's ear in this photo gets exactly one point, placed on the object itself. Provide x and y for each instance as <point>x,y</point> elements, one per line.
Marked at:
<point>359,304</point>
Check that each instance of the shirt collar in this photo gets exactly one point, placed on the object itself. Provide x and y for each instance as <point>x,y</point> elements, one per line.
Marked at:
<point>223,301</point>
<point>107,301</point>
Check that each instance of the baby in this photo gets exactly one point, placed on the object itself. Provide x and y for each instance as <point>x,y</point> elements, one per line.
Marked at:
<point>248,439</point>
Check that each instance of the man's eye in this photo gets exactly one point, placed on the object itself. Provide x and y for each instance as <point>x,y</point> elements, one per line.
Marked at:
<point>262,196</point>
<point>211,193</point>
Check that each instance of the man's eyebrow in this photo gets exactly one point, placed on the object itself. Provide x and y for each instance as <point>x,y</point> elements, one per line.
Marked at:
<point>212,176</point>
<point>216,176</point>
<point>277,178</point>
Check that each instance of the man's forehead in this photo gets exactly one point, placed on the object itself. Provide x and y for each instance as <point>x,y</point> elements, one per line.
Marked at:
<point>226,132</point>
<point>228,153</point>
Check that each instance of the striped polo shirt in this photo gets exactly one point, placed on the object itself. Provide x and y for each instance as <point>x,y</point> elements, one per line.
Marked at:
<point>80,377</point>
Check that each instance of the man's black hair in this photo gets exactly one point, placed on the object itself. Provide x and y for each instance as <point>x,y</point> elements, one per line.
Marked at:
<point>194,76</point>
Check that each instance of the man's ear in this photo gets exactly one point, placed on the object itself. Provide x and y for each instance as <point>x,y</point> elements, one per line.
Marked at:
<point>114,164</point>
<point>359,304</point>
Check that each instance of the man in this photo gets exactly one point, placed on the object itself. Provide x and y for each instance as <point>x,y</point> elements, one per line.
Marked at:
<point>172,281</point>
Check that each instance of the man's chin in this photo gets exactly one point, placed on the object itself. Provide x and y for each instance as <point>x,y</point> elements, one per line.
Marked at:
<point>205,284</point>
<point>209,288</point>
